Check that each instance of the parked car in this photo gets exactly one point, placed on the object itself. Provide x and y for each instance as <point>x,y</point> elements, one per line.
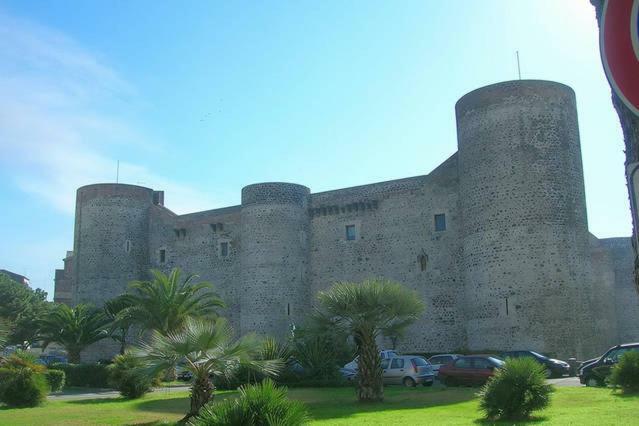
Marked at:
<point>438,360</point>
<point>52,359</point>
<point>597,371</point>
<point>554,367</point>
<point>383,354</point>
<point>469,370</point>
<point>407,370</point>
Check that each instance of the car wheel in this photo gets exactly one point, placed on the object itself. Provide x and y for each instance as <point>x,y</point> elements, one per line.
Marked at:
<point>548,373</point>
<point>409,383</point>
<point>592,382</point>
<point>448,381</point>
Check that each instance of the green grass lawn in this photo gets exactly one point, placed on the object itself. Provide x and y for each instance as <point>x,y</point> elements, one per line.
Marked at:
<point>337,406</point>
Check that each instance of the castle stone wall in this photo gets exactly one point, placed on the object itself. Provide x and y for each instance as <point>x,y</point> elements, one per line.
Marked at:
<point>513,268</point>
<point>394,224</point>
<point>626,298</point>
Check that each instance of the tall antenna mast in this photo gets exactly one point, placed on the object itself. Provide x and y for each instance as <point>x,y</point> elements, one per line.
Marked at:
<point>117,173</point>
<point>518,65</point>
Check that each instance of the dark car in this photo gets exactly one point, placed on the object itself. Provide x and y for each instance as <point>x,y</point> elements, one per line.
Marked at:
<point>554,367</point>
<point>438,360</point>
<point>596,372</point>
<point>469,370</point>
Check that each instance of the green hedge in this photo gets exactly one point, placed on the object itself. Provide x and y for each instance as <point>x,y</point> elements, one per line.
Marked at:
<point>84,375</point>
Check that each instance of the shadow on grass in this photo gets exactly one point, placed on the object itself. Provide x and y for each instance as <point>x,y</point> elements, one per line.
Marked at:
<point>626,395</point>
<point>335,403</point>
<point>531,420</point>
<point>176,405</point>
<point>91,401</point>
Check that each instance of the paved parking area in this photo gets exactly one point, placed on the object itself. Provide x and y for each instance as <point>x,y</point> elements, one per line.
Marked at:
<point>566,382</point>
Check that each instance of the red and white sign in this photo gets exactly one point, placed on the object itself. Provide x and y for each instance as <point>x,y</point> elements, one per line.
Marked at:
<point>619,43</point>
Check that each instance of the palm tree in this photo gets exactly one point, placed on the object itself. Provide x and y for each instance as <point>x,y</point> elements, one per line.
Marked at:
<point>364,311</point>
<point>206,348</point>
<point>165,303</point>
<point>73,328</point>
<point>120,321</point>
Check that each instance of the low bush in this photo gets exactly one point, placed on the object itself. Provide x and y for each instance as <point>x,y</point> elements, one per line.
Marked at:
<point>22,387</point>
<point>84,375</point>
<point>516,390</point>
<point>125,375</point>
<point>625,375</point>
<point>55,378</point>
<point>260,404</point>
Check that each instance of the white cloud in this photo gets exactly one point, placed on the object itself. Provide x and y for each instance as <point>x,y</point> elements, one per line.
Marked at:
<point>58,120</point>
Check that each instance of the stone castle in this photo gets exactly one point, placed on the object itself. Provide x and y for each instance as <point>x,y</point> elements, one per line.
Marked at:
<point>495,240</point>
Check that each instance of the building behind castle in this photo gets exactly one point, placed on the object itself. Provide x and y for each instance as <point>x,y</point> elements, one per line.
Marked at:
<point>495,240</point>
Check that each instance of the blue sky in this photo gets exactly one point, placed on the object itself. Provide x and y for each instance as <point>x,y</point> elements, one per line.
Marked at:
<point>200,98</point>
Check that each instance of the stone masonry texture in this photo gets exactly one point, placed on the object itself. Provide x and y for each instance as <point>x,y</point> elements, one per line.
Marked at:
<point>514,268</point>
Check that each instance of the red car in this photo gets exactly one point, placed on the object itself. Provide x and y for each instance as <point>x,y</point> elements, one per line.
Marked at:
<point>469,370</point>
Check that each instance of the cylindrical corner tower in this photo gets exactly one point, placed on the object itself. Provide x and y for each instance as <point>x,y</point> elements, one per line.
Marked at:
<point>111,240</point>
<point>523,208</point>
<point>274,258</point>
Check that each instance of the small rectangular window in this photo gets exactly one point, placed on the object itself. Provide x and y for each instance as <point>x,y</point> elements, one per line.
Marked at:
<point>440,222</point>
<point>162,256</point>
<point>350,232</point>
<point>127,247</point>
<point>224,249</point>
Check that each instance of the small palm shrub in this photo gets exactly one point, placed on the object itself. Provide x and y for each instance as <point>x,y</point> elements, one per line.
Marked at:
<point>625,374</point>
<point>22,387</point>
<point>127,376</point>
<point>55,379</point>
<point>516,390</point>
<point>263,404</point>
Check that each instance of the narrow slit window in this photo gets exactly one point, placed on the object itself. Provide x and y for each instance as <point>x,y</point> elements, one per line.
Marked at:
<point>288,309</point>
<point>127,246</point>
<point>423,262</point>
<point>350,232</point>
<point>224,249</point>
<point>162,255</point>
<point>440,222</point>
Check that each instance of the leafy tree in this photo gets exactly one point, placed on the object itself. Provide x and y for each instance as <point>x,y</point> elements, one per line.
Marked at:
<point>207,349</point>
<point>320,352</point>
<point>165,303</point>
<point>73,328</point>
<point>365,311</point>
<point>21,308</point>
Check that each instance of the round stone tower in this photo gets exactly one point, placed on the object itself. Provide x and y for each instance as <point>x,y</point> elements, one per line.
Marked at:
<point>274,258</point>
<point>111,240</point>
<point>524,231</point>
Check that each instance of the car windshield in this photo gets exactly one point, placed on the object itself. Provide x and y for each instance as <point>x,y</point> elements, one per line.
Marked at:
<point>496,361</point>
<point>420,362</point>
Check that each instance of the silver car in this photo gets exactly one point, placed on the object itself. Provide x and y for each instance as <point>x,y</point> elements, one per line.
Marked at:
<point>407,370</point>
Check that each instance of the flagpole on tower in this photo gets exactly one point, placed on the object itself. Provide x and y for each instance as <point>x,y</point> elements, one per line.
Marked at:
<point>518,65</point>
